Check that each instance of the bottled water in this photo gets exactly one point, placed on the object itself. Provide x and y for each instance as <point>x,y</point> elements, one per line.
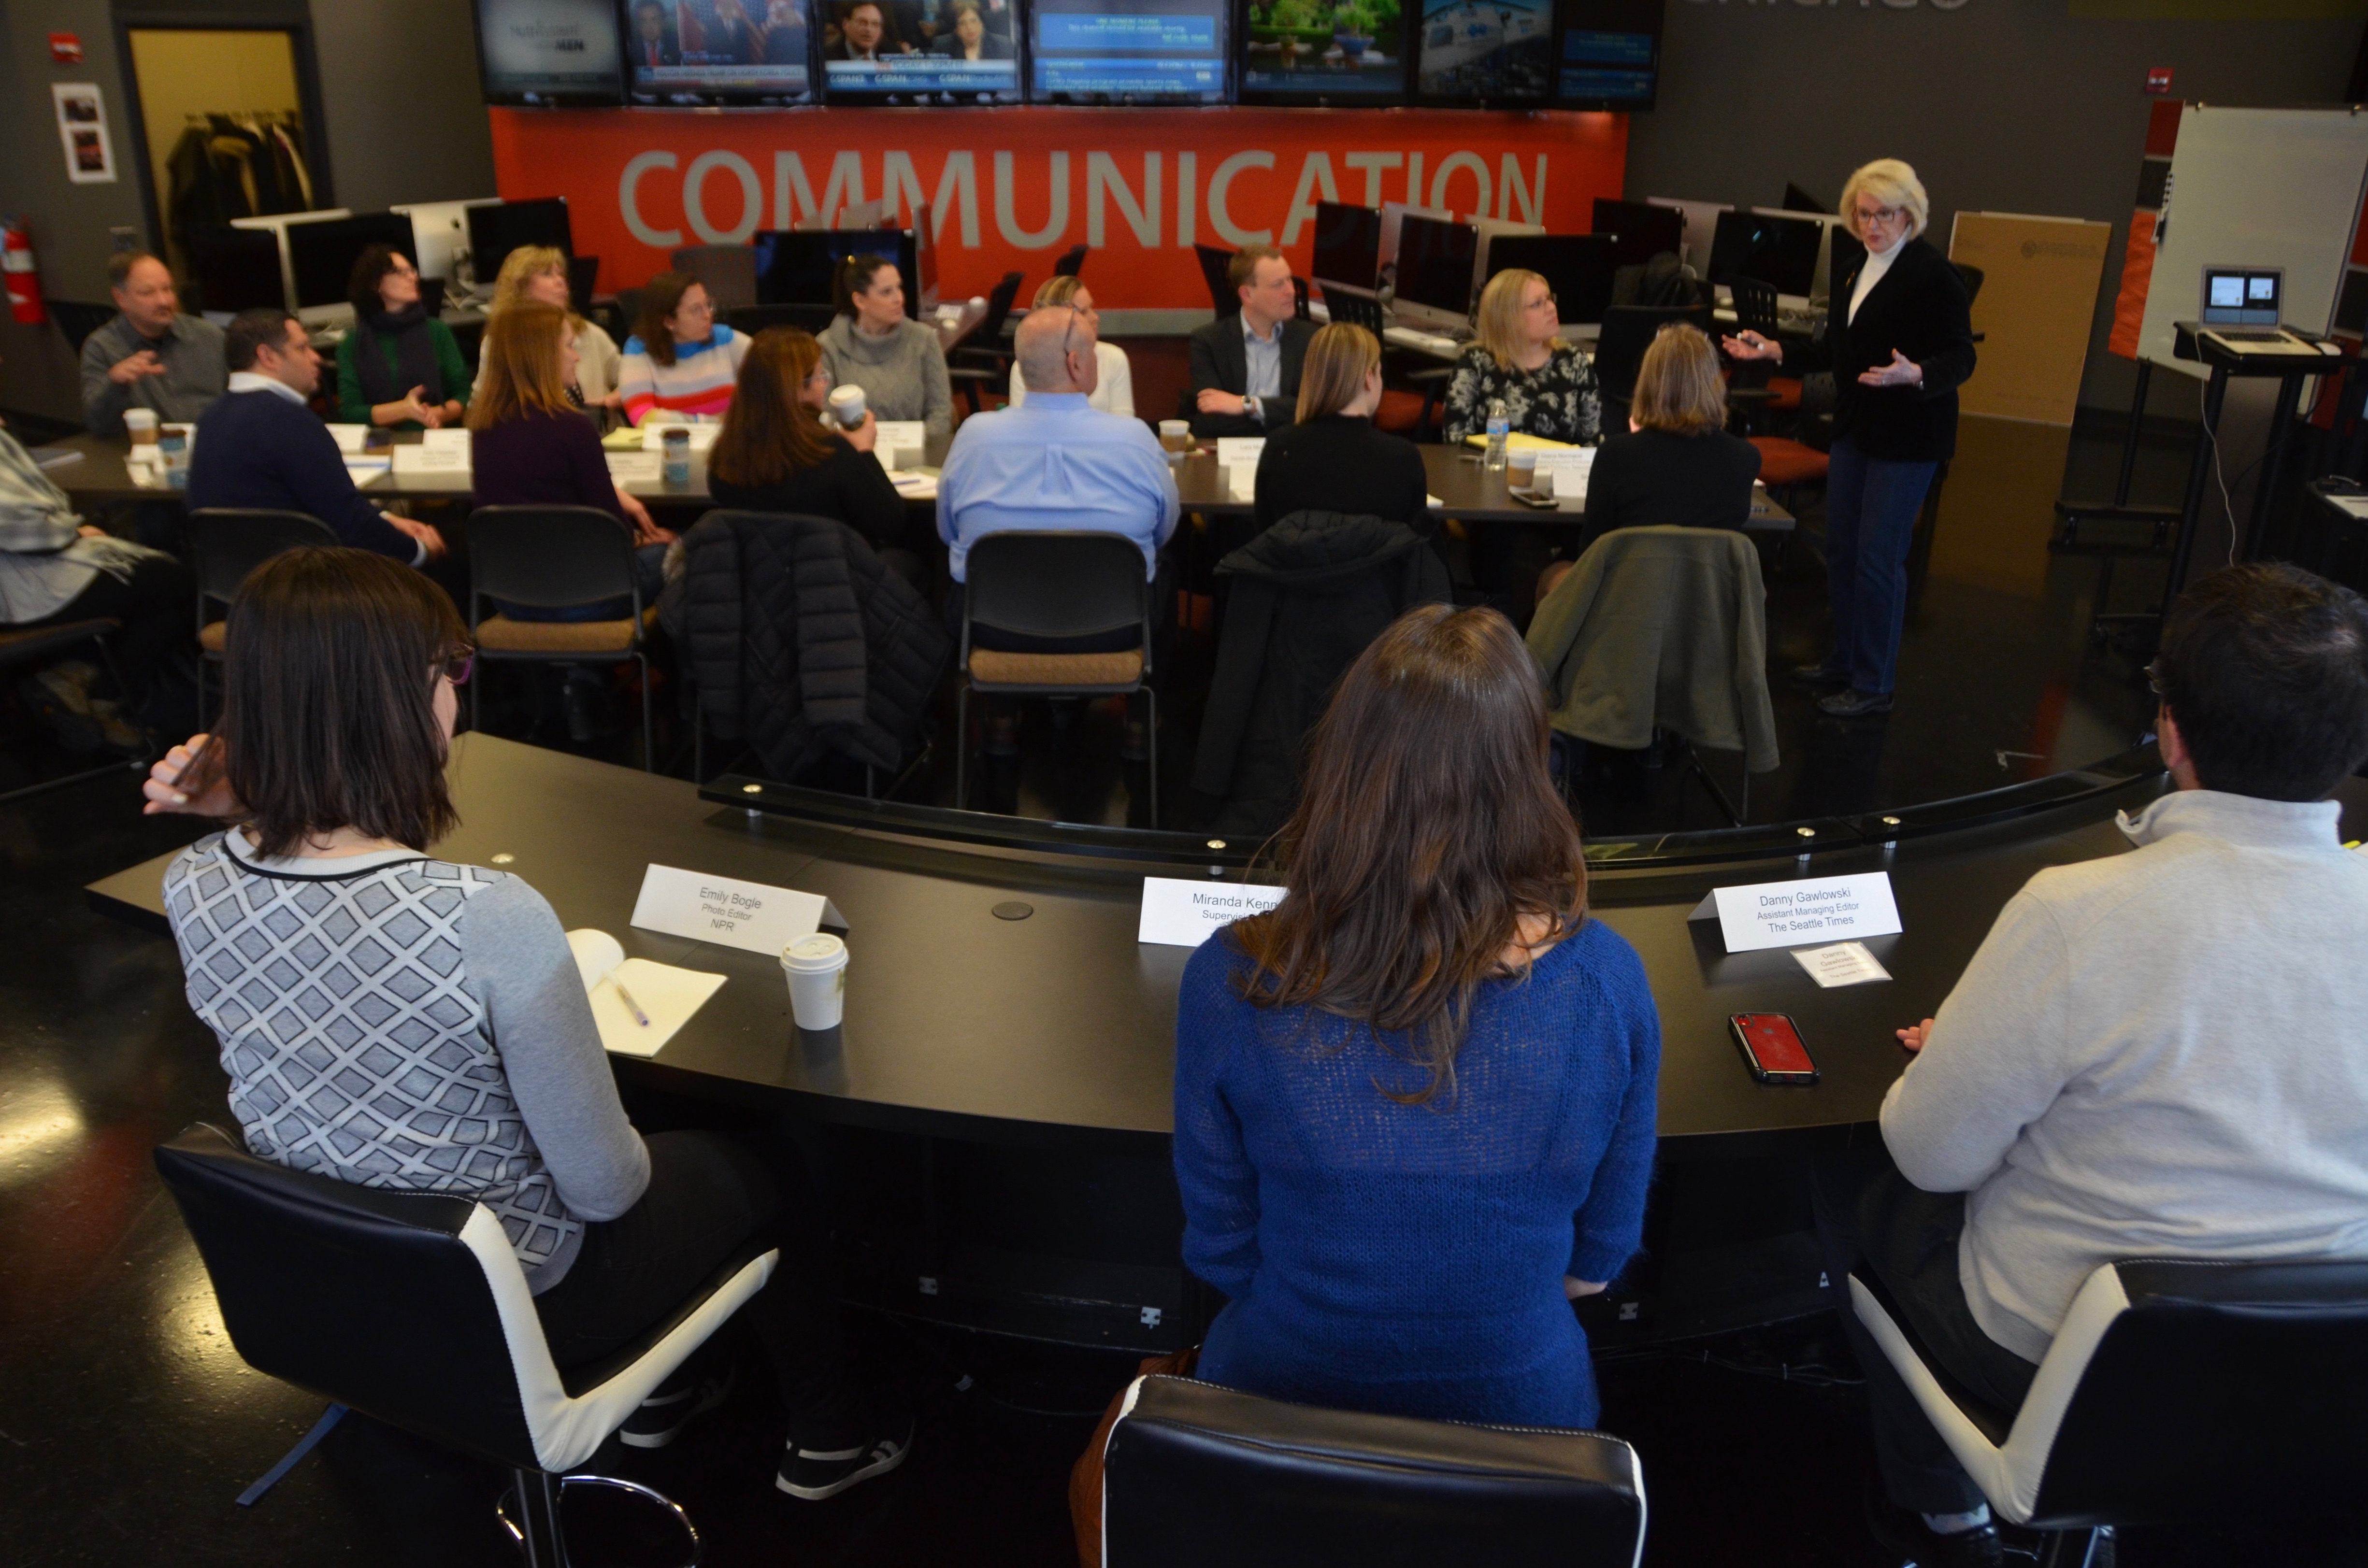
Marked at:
<point>1500,425</point>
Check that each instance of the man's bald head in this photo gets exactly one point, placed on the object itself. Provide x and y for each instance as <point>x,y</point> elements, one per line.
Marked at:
<point>1054,346</point>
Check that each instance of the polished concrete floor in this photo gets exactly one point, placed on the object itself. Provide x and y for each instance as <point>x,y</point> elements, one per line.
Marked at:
<point>128,1423</point>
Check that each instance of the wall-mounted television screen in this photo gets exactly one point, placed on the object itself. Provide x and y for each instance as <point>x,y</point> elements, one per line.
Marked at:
<point>1609,55</point>
<point>1128,51</point>
<point>920,51</point>
<point>719,52</point>
<point>1322,51</point>
<point>1485,52</point>
<point>549,53</point>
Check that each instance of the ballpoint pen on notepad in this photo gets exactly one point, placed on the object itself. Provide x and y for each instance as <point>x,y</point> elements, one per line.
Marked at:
<point>631,1005</point>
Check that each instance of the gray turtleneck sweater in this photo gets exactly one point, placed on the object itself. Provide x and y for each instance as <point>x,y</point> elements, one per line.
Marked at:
<point>2156,1054</point>
<point>903,375</point>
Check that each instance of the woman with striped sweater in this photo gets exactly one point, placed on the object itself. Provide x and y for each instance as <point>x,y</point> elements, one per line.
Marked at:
<point>682,360</point>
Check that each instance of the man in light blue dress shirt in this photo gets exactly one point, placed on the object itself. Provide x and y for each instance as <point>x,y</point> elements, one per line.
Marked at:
<point>1054,463</point>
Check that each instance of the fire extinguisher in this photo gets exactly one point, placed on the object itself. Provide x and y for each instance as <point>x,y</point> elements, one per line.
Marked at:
<point>24,274</point>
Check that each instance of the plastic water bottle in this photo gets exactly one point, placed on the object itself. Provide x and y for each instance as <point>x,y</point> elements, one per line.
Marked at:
<point>1500,425</point>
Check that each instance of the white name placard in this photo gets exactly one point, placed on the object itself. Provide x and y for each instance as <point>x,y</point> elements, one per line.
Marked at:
<point>429,460</point>
<point>1806,913</point>
<point>1232,449</point>
<point>636,468</point>
<point>350,439</point>
<point>1183,914</point>
<point>734,914</point>
<point>445,439</point>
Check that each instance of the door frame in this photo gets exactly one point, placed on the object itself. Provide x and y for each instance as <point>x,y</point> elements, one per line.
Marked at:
<point>293,17</point>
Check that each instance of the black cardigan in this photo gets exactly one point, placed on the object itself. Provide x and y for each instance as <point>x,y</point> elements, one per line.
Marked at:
<point>1661,477</point>
<point>1340,463</point>
<point>847,486</point>
<point>1920,308</point>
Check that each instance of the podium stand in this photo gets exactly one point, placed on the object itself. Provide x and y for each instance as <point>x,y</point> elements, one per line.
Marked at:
<point>2195,343</point>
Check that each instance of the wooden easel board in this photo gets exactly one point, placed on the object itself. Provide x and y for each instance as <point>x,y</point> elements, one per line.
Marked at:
<point>2038,297</point>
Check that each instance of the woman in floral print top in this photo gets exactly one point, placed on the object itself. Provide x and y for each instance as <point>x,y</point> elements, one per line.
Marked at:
<point>1548,386</point>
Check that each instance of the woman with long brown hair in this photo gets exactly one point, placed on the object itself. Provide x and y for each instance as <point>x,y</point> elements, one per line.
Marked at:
<point>1414,1101</point>
<point>1331,458</point>
<point>777,452</point>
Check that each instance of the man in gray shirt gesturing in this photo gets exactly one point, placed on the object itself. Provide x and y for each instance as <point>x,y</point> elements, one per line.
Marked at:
<point>2154,1055</point>
<point>150,356</point>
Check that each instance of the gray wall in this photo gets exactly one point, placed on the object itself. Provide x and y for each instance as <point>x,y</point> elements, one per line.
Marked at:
<point>404,122</point>
<point>2003,105</point>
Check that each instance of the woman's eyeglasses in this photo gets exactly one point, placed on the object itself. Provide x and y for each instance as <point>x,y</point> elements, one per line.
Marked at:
<point>455,667</point>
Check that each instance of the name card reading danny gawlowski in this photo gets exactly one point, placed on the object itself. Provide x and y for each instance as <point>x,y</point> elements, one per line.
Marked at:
<point>1805,914</point>
<point>1184,913</point>
<point>708,908</point>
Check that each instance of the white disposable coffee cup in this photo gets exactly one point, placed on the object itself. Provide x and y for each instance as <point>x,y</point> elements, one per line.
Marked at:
<point>847,406</point>
<point>1522,463</point>
<point>816,967</point>
<point>141,424</point>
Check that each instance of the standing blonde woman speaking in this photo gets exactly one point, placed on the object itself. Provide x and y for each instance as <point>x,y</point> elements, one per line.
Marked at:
<point>1900,344</point>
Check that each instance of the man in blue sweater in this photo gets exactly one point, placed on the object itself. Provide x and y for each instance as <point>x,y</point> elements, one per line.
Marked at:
<point>260,445</point>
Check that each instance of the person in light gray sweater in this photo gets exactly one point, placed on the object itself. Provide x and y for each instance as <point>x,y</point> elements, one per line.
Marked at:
<point>2151,1054</point>
<point>873,344</point>
<point>395,1020</point>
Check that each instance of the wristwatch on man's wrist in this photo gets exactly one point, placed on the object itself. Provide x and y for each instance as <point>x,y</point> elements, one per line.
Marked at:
<point>1250,406</point>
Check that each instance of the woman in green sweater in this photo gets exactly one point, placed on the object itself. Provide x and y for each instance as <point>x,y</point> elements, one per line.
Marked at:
<point>399,366</point>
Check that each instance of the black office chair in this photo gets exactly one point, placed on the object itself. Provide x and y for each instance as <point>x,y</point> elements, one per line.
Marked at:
<point>410,1308</point>
<point>226,543</point>
<point>1213,264</point>
<point>2176,1393</point>
<point>583,281</point>
<point>557,558</point>
<point>753,319</point>
<point>1627,331</point>
<point>985,358</point>
<point>727,272</point>
<point>1071,261</point>
<point>21,646</point>
<point>1197,1474</point>
<point>1054,584</point>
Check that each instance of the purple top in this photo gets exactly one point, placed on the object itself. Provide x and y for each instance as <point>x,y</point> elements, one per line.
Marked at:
<point>543,459</point>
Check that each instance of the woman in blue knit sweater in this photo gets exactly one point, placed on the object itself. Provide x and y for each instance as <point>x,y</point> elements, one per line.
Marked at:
<point>1414,1102</point>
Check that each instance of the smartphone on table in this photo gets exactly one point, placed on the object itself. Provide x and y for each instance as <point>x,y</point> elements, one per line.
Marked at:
<point>1772,1048</point>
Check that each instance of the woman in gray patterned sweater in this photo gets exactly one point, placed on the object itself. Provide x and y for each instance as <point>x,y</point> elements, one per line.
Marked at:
<point>395,1020</point>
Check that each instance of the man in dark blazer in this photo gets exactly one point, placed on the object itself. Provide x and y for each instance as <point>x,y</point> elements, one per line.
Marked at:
<point>1246,367</point>
<point>654,41</point>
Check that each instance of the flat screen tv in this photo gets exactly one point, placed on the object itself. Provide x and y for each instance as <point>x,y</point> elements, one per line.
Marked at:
<point>920,51</point>
<point>1608,54</point>
<point>1478,53</point>
<point>1321,52</point>
<point>1128,51</point>
<point>550,53</point>
<point>720,51</point>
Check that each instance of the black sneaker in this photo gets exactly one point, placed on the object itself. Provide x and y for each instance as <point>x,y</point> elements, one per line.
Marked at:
<point>1921,1546</point>
<point>662,1415</point>
<point>1855,704</point>
<point>1818,678</point>
<point>817,1473</point>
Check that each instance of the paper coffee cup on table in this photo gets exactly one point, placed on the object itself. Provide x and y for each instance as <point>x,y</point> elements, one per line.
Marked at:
<point>847,406</point>
<point>815,968</point>
<point>1176,436</point>
<point>141,424</point>
<point>1521,465</point>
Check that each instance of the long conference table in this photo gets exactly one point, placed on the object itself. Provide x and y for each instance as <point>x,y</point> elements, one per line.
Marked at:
<point>1467,489</point>
<point>998,1000</point>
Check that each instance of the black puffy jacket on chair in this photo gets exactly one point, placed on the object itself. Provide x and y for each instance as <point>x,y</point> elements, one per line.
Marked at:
<point>1306,597</point>
<point>802,641</point>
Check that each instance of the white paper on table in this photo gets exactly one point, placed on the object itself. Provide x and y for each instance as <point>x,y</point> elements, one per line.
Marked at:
<point>915,487</point>
<point>1434,503</point>
<point>368,471</point>
<point>423,459</point>
<point>667,995</point>
<point>898,434</point>
<point>1844,963</point>
<point>1232,449</point>
<point>636,468</point>
<point>1807,912</point>
<point>439,440</point>
<point>1181,912</point>
<point>350,439</point>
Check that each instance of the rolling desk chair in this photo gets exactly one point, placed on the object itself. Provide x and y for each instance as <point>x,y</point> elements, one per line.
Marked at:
<point>1214,262</point>
<point>986,359</point>
<point>1071,261</point>
<point>21,646</point>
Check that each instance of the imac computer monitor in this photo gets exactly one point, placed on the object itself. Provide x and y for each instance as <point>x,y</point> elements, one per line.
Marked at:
<point>549,53</point>
<point>1476,53</point>
<point>321,260</point>
<point>1578,267</point>
<point>2243,296</point>
<point>439,234</point>
<point>700,52</point>
<point>1434,273</point>
<point>1781,252</point>
<point>1348,245</point>
<point>1313,53</point>
<point>1488,231</point>
<point>235,269</point>
<point>1639,229</point>
<point>494,231</point>
<point>1393,217</point>
<point>1128,51</point>
<point>1608,54</point>
<point>1700,223</point>
<point>795,267</point>
<point>920,51</point>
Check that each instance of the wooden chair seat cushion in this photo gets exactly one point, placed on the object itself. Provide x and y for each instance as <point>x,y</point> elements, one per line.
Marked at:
<point>991,666</point>
<point>500,634</point>
<point>1400,412</point>
<point>210,638</point>
<point>1784,461</point>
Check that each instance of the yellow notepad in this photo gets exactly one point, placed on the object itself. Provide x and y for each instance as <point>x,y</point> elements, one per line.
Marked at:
<point>667,995</point>
<point>1515,440</point>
